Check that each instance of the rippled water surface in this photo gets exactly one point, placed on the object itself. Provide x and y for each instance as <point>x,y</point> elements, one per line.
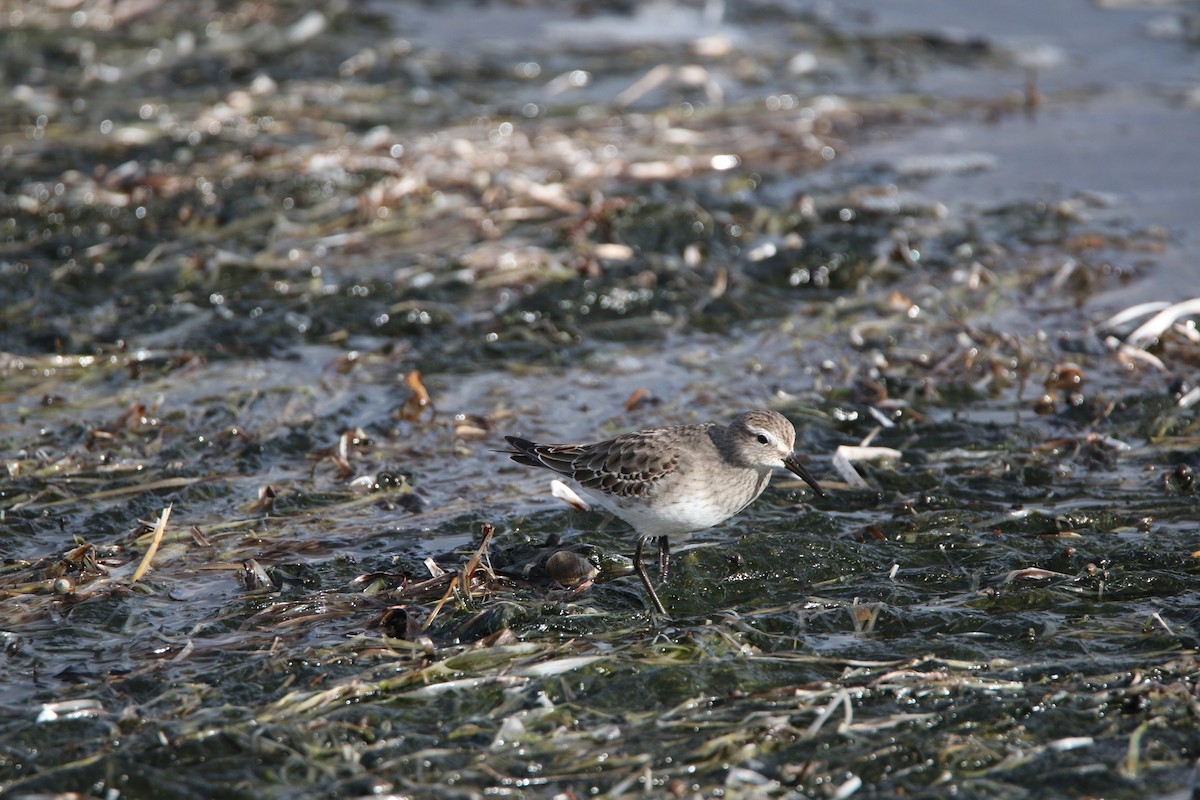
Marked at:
<point>275,280</point>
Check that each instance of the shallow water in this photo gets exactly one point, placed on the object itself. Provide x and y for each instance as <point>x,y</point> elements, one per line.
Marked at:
<point>237,251</point>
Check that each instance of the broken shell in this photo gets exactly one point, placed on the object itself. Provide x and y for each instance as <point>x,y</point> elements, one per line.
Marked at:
<point>568,568</point>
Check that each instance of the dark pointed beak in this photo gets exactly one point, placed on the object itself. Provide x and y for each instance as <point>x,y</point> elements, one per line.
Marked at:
<point>796,468</point>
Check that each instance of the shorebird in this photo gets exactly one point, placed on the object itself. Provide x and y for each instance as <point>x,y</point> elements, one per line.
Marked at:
<point>668,481</point>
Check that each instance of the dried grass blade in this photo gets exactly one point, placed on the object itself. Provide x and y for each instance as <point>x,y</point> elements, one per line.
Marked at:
<point>105,494</point>
<point>468,571</point>
<point>438,607</point>
<point>841,697</point>
<point>159,529</point>
<point>463,581</point>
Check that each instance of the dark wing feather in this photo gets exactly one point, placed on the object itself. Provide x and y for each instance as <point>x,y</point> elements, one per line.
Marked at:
<point>523,451</point>
<point>630,465</point>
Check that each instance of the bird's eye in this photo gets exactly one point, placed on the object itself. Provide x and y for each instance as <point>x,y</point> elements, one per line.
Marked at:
<point>762,438</point>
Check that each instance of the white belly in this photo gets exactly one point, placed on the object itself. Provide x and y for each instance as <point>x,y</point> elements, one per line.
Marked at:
<point>681,510</point>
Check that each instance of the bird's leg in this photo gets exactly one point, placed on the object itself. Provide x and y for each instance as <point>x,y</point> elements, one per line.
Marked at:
<point>664,558</point>
<point>640,567</point>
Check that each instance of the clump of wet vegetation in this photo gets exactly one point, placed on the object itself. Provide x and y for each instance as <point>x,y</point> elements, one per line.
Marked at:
<point>273,283</point>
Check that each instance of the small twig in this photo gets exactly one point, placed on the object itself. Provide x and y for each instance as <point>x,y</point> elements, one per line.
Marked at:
<point>159,529</point>
<point>463,582</point>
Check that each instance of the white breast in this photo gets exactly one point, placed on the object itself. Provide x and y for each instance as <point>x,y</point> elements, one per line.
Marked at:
<point>684,507</point>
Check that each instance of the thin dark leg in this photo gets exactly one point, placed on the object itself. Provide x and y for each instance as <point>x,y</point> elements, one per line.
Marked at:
<point>664,558</point>
<point>640,567</point>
